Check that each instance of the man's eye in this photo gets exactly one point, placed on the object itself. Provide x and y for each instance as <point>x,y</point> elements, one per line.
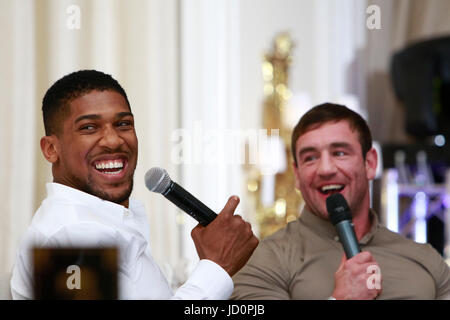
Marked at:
<point>309,158</point>
<point>88,127</point>
<point>339,153</point>
<point>124,123</point>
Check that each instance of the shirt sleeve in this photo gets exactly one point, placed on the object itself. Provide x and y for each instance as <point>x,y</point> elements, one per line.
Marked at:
<point>208,281</point>
<point>261,278</point>
<point>442,278</point>
<point>21,280</point>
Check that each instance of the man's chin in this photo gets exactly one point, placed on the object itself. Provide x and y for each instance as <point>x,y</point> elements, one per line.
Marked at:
<point>116,195</point>
<point>119,199</point>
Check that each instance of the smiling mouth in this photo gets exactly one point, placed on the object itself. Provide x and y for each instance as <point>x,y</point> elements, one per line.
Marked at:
<point>331,188</point>
<point>110,167</point>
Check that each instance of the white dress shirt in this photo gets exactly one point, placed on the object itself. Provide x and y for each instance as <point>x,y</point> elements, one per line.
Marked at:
<point>72,218</point>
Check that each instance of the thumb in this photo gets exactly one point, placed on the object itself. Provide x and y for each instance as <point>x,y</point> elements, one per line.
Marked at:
<point>196,231</point>
<point>230,206</point>
<point>341,264</point>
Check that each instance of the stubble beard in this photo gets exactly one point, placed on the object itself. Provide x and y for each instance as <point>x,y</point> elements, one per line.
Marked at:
<point>89,186</point>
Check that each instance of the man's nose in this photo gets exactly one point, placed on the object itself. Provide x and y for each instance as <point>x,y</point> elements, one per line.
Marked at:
<point>110,139</point>
<point>326,165</point>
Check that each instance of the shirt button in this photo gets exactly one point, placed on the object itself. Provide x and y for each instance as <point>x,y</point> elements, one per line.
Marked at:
<point>336,238</point>
<point>126,212</point>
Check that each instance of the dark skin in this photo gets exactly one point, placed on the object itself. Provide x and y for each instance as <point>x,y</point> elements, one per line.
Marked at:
<point>99,129</point>
<point>95,150</point>
<point>233,251</point>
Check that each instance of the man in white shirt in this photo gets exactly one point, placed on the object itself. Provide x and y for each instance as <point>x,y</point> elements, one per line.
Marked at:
<point>92,145</point>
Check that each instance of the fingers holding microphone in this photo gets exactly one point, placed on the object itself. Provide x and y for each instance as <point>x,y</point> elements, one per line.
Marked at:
<point>358,278</point>
<point>228,240</point>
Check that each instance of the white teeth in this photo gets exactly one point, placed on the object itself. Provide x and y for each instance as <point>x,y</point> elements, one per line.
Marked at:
<point>109,165</point>
<point>332,187</point>
<point>118,164</point>
<point>112,172</point>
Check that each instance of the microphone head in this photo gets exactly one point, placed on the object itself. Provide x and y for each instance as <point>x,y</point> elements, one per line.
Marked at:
<point>157,180</point>
<point>338,209</point>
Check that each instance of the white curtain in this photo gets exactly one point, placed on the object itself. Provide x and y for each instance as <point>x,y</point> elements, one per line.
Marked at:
<point>210,73</point>
<point>18,130</point>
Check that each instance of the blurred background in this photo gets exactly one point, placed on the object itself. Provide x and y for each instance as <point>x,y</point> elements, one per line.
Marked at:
<point>216,87</point>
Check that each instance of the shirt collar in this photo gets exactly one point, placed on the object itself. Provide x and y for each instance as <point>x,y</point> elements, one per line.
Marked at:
<point>77,196</point>
<point>325,228</point>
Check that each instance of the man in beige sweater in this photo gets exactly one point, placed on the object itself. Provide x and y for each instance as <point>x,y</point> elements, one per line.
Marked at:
<point>332,148</point>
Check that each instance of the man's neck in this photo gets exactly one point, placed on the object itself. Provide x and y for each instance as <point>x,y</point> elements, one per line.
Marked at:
<point>125,203</point>
<point>362,224</point>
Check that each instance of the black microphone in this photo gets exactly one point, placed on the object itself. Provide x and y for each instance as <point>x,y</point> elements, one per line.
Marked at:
<point>158,180</point>
<point>341,218</point>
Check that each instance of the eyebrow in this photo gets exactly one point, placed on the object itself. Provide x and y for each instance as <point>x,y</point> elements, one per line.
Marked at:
<point>306,150</point>
<point>334,145</point>
<point>345,145</point>
<point>97,117</point>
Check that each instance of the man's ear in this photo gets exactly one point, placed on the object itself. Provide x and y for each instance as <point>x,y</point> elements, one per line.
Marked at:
<point>371,163</point>
<point>49,147</point>
<point>297,181</point>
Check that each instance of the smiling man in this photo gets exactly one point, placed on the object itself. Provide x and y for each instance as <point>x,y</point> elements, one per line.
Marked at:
<point>92,145</point>
<point>95,148</point>
<point>332,148</point>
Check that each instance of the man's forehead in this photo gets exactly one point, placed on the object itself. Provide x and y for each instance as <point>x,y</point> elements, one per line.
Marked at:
<point>331,131</point>
<point>96,102</point>
<point>332,124</point>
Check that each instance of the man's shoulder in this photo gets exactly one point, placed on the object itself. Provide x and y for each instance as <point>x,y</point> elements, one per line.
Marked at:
<point>404,246</point>
<point>59,219</point>
<point>394,238</point>
<point>56,213</point>
<point>284,238</point>
<point>290,229</point>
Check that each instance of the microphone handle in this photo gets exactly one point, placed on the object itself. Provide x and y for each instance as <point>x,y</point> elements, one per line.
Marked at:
<point>189,204</point>
<point>347,237</point>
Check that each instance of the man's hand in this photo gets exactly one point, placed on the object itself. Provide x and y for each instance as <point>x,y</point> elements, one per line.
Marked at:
<point>228,240</point>
<point>352,279</point>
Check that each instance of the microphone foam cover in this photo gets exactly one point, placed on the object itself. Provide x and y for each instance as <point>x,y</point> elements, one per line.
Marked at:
<point>157,180</point>
<point>338,209</point>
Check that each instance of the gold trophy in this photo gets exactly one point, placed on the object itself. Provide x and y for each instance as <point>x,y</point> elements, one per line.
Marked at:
<point>282,202</point>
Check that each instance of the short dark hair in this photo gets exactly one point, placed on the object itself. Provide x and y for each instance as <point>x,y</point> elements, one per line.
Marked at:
<point>56,102</point>
<point>329,112</point>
